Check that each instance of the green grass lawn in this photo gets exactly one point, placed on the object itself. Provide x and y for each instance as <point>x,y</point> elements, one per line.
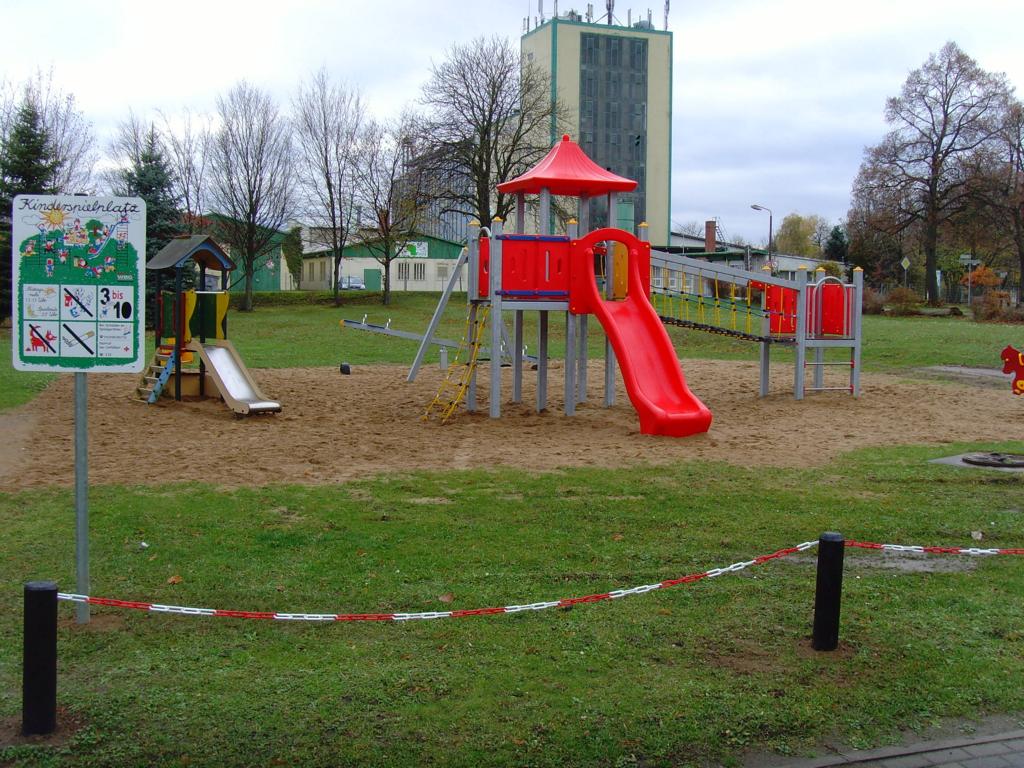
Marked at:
<point>687,676</point>
<point>680,676</point>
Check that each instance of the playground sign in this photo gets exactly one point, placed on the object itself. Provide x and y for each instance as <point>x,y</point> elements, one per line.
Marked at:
<point>78,283</point>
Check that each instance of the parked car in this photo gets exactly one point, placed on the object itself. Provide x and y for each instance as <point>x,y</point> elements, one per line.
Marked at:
<point>351,284</point>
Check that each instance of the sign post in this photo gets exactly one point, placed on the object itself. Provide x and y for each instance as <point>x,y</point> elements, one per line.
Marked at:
<point>905,263</point>
<point>970,263</point>
<point>78,305</point>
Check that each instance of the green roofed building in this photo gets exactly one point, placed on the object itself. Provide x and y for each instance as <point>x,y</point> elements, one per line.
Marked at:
<point>425,264</point>
<point>270,271</point>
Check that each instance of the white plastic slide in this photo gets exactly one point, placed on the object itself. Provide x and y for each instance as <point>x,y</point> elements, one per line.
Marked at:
<point>232,378</point>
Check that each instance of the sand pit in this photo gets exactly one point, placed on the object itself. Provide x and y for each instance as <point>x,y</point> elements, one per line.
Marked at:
<point>335,428</point>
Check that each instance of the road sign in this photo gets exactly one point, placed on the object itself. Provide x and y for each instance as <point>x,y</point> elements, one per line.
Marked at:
<point>905,263</point>
<point>78,283</point>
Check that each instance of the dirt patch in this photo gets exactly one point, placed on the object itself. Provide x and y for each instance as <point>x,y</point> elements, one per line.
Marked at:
<point>67,726</point>
<point>976,377</point>
<point>745,657</point>
<point>335,428</point>
<point>98,623</point>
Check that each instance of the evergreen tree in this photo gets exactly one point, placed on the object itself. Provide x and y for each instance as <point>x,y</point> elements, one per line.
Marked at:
<point>150,177</point>
<point>837,246</point>
<point>291,247</point>
<point>27,166</point>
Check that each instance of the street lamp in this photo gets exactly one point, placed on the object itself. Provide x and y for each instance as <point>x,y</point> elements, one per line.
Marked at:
<point>757,207</point>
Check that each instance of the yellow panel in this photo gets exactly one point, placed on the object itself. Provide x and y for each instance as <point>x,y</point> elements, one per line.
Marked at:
<point>190,308</point>
<point>620,270</point>
<point>223,300</point>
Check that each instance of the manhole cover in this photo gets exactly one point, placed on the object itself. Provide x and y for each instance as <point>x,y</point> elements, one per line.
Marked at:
<point>1006,460</point>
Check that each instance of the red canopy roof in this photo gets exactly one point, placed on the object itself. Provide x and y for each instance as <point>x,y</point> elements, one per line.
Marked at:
<point>566,170</point>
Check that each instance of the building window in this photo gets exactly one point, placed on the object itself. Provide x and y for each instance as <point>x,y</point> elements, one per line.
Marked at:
<point>590,46</point>
<point>309,271</point>
<point>323,270</point>
<point>638,55</point>
<point>613,58</point>
<point>403,270</point>
<point>419,271</point>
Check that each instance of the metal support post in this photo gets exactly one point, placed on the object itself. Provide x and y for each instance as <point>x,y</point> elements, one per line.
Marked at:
<point>828,592</point>
<point>496,323</point>
<point>435,319</point>
<point>545,212</point>
<point>766,330</point>
<point>581,361</point>
<point>39,660</point>
<point>858,304</point>
<point>520,213</point>
<point>801,333</point>
<point>517,357</point>
<point>542,362</point>
<point>819,368</point>
<point>609,292</point>
<point>570,366</point>
<point>82,495</point>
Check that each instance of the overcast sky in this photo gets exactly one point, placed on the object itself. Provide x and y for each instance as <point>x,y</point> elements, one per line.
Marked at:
<point>774,101</point>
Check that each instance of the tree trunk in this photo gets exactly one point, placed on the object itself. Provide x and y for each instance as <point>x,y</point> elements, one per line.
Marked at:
<point>337,279</point>
<point>247,302</point>
<point>387,283</point>
<point>930,246</point>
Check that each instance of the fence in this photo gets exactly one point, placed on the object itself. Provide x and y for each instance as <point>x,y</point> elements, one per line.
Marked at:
<point>39,667</point>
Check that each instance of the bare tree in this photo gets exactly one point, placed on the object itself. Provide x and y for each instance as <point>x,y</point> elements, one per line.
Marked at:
<point>946,110</point>
<point>189,149</point>
<point>125,150</point>
<point>252,181</point>
<point>327,120</point>
<point>999,184</point>
<point>70,135</point>
<point>491,117</point>
<point>691,228</point>
<point>390,191</point>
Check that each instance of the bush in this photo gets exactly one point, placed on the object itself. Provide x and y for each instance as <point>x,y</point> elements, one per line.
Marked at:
<point>292,298</point>
<point>995,307</point>
<point>904,301</point>
<point>873,303</point>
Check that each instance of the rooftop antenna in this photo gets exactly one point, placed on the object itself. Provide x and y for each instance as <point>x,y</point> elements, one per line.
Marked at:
<point>540,10</point>
<point>666,15</point>
<point>590,12</point>
<point>629,18</point>
<point>611,12</point>
<point>650,24</point>
<point>554,14</point>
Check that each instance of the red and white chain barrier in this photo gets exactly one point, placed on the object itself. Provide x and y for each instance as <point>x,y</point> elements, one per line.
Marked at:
<point>562,603</point>
<point>933,550</point>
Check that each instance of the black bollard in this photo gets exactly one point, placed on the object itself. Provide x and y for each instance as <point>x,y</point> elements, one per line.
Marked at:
<point>39,660</point>
<point>828,592</point>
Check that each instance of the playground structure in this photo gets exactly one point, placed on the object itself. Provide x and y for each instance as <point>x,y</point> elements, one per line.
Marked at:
<point>191,327</point>
<point>605,272</point>
<point>609,273</point>
<point>806,314</point>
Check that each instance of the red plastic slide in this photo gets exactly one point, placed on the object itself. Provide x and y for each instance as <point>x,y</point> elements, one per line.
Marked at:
<point>650,367</point>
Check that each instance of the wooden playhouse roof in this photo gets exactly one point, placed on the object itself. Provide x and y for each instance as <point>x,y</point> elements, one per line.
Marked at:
<point>566,170</point>
<point>202,249</point>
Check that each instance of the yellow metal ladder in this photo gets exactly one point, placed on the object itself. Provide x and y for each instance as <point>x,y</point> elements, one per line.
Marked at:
<point>460,370</point>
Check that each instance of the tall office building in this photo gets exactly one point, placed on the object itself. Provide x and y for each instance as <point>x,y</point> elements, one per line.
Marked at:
<point>615,82</point>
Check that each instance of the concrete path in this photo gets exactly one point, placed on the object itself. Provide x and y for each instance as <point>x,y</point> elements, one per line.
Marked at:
<point>999,750</point>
